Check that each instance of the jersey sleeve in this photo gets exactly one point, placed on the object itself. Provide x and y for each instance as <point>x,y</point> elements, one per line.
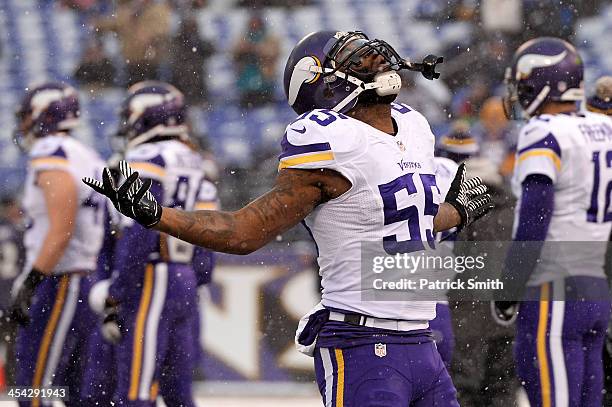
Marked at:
<point>445,174</point>
<point>149,161</point>
<point>207,198</point>
<point>49,154</point>
<point>538,152</point>
<point>307,144</point>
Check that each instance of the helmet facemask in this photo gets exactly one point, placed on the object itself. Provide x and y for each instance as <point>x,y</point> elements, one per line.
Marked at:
<point>510,100</point>
<point>345,59</point>
<point>23,135</point>
<point>335,69</point>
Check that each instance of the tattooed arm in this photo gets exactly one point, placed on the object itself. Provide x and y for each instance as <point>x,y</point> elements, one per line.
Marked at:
<point>295,194</point>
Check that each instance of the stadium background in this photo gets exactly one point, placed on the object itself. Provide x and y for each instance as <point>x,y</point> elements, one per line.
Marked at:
<point>255,301</point>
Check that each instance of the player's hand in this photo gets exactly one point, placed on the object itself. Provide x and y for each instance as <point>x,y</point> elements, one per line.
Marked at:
<point>111,326</point>
<point>19,311</point>
<point>133,198</point>
<point>504,312</point>
<point>468,197</point>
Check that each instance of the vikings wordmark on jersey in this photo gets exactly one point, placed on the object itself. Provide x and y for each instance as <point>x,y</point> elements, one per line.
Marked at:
<point>393,199</point>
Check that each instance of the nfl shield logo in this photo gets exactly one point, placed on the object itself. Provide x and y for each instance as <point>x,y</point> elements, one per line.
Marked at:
<point>401,146</point>
<point>380,350</point>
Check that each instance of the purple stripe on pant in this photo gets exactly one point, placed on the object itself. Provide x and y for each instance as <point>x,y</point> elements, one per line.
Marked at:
<point>157,348</point>
<point>380,373</point>
<point>559,343</point>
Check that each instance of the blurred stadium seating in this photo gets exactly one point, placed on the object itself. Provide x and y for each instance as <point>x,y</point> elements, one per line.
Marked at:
<point>41,40</point>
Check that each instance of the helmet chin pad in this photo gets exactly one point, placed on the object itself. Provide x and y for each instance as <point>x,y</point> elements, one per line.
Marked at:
<point>389,83</point>
<point>383,89</point>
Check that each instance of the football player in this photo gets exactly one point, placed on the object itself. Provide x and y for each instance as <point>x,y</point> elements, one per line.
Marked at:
<point>62,240</point>
<point>153,292</point>
<point>355,167</point>
<point>561,180</point>
<point>601,102</point>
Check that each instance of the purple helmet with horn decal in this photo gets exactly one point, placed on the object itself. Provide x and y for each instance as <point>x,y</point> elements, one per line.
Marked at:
<point>323,71</point>
<point>543,69</point>
<point>44,110</point>
<point>152,110</point>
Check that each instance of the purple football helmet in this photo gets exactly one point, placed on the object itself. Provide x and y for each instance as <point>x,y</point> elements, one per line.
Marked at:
<point>46,109</point>
<point>543,69</point>
<point>152,111</point>
<point>323,71</point>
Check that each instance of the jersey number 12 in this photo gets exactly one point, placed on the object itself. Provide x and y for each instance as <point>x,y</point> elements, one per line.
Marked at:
<point>599,181</point>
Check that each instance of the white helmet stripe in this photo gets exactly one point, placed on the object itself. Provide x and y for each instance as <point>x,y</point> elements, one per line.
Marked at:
<point>41,100</point>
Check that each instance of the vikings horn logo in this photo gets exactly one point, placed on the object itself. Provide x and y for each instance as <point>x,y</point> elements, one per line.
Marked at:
<point>528,62</point>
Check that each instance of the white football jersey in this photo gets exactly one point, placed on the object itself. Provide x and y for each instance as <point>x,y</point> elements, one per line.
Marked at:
<point>58,152</point>
<point>575,152</point>
<point>181,172</point>
<point>446,169</point>
<point>392,201</point>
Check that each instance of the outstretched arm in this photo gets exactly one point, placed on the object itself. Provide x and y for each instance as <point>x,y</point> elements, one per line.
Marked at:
<point>295,194</point>
<point>61,200</point>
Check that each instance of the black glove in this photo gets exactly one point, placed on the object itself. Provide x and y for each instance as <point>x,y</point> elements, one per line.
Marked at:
<point>504,312</point>
<point>111,326</point>
<point>19,311</point>
<point>133,198</point>
<point>470,197</point>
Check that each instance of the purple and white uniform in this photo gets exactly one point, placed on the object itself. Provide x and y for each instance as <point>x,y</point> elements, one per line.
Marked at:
<point>562,181</point>
<point>386,355</point>
<point>51,349</point>
<point>156,285</point>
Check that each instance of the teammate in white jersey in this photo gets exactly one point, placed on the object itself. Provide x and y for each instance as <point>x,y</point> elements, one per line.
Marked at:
<point>601,102</point>
<point>562,182</point>
<point>152,298</point>
<point>357,168</point>
<point>62,241</point>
